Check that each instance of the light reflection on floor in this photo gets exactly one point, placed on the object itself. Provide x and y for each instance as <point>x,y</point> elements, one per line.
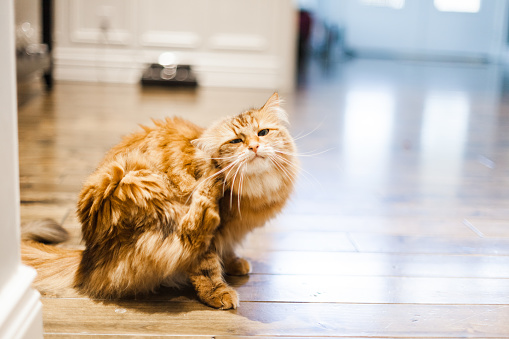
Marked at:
<point>404,137</point>
<point>367,134</point>
<point>443,141</point>
<point>415,162</point>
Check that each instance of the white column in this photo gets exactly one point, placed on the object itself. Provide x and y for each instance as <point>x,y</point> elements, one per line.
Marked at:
<point>20,307</point>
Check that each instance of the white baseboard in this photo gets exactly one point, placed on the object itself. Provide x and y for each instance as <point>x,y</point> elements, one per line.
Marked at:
<point>126,66</point>
<point>20,306</point>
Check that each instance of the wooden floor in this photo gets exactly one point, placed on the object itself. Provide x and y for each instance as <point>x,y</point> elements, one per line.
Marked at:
<point>399,226</point>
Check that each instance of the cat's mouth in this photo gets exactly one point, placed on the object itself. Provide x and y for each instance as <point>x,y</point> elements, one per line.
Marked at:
<point>256,156</point>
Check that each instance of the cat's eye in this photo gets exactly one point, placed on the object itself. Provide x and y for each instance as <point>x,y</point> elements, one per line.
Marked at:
<point>263,132</point>
<point>235,141</point>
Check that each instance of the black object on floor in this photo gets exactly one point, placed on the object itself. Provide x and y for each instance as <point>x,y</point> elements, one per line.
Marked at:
<point>172,76</point>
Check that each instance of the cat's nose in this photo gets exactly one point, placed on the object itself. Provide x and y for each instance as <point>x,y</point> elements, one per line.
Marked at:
<point>254,148</point>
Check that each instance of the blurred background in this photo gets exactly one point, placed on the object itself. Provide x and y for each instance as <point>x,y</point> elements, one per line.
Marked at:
<point>453,30</point>
<point>250,44</point>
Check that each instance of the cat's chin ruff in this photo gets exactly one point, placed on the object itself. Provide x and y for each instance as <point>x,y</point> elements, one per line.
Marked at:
<point>257,185</point>
<point>257,165</point>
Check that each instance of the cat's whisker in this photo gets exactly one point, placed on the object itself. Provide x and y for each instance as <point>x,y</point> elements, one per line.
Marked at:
<point>306,154</point>
<point>237,161</point>
<point>281,168</point>
<point>308,176</point>
<point>289,163</point>
<point>284,146</point>
<point>273,157</point>
<point>203,181</point>
<point>207,138</point>
<point>225,158</point>
<point>240,159</point>
<point>281,143</point>
<point>230,167</point>
<point>227,177</point>
<point>234,178</point>
<point>298,136</point>
<point>292,171</point>
<point>239,195</point>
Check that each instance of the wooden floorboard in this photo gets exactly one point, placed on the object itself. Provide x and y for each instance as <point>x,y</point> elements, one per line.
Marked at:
<point>369,289</point>
<point>438,245</point>
<point>272,319</point>
<point>424,225</point>
<point>398,227</point>
<point>350,289</point>
<point>378,264</point>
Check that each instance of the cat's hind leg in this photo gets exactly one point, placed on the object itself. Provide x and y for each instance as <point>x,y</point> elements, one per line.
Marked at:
<point>127,207</point>
<point>123,195</point>
<point>207,279</point>
<point>128,225</point>
<point>234,265</point>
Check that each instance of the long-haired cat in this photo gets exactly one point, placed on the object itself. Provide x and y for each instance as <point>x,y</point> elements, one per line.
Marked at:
<point>169,204</point>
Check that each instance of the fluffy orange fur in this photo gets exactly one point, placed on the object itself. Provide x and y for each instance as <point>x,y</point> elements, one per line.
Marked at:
<point>169,204</point>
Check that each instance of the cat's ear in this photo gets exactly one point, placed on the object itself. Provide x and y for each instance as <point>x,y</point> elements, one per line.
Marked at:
<point>201,144</point>
<point>273,106</point>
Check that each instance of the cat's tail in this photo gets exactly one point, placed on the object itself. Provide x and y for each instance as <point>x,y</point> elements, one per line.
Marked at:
<point>47,231</point>
<point>56,267</point>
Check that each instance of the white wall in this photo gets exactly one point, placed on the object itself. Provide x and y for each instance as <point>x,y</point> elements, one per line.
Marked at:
<point>20,308</point>
<point>232,43</point>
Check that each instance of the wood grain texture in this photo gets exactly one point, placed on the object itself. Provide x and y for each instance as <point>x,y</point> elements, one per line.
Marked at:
<point>436,245</point>
<point>275,319</point>
<point>349,289</point>
<point>378,264</point>
<point>397,228</point>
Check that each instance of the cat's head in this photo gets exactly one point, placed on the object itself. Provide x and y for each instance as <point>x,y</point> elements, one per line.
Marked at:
<point>253,142</point>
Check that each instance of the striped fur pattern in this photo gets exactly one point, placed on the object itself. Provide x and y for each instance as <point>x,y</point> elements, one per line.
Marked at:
<point>170,204</point>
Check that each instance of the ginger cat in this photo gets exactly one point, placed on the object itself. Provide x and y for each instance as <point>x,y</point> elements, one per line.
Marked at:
<point>169,204</point>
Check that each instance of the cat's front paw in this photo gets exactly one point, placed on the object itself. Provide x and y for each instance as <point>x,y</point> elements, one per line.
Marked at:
<point>223,298</point>
<point>214,185</point>
<point>237,266</point>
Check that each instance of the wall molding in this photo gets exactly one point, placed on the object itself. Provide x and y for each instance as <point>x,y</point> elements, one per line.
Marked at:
<point>126,66</point>
<point>238,42</point>
<point>96,36</point>
<point>21,311</point>
<point>170,39</point>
